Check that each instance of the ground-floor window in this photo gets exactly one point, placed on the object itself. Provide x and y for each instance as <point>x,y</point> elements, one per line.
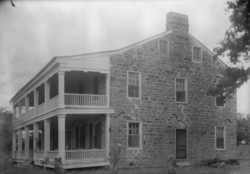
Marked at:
<point>220,137</point>
<point>82,136</point>
<point>68,139</point>
<point>134,134</point>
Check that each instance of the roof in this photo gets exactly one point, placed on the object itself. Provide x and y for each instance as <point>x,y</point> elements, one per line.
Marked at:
<point>103,53</point>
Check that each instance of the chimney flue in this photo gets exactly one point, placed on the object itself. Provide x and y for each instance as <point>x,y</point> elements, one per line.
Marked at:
<point>177,22</point>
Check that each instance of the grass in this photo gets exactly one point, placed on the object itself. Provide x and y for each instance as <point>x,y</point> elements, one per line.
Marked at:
<point>244,168</point>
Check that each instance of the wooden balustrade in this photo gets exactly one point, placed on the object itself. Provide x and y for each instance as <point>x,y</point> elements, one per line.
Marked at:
<point>52,103</point>
<point>86,155</point>
<point>52,154</point>
<point>39,154</point>
<point>30,114</point>
<point>85,100</point>
<point>22,154</point>
<point>40,109</point>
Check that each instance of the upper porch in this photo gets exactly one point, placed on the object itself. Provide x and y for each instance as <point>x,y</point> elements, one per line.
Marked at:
<point>71,83</point>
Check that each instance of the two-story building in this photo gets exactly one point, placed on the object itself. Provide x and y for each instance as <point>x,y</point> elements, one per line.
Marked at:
<point>150,97</point>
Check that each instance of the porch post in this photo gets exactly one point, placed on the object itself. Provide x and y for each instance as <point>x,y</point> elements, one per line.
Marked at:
<point>108,88</point>
<point>19,142</point>
<point>27,143</point>
<point>107,133</point>
<point>19,109</point>
<point>47,94</point>
<point>61,136</point>
<point>26,107</point>
<point>13,143</point>
<point>35,101</point>
<point>46,137</point>
<point>35,139</point>
<point>61,89</point>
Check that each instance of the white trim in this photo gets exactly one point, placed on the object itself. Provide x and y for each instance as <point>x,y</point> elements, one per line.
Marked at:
<point>186,90</point>
<point>224,135</point>
<point>166,40</point>
<point>140,133</point>
<point>138,98</point>
<point>196,61</point>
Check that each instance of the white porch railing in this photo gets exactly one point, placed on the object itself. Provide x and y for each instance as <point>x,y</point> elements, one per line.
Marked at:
<point>39,154</point>
<point>22,118</point>
<point>22,154</point>
<point>52,103</point>
<point>86,155</point>
<point>52,154</point>
<point>30,114</point>
<point>15,154</point>
<point>40,109</point>
<point>85,100</point>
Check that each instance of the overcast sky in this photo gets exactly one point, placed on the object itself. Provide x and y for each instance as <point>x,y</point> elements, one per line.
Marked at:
<point>34,32</point>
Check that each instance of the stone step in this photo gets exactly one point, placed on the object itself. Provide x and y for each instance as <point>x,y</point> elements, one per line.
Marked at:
<point>183,164</point>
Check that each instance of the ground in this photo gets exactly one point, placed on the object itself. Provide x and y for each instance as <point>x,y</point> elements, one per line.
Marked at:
<point>244,168</point>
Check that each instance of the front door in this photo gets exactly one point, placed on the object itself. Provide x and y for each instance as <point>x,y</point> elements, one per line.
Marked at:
<point>181,143</point>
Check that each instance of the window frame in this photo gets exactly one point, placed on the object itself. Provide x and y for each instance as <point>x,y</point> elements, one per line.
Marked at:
<point>197,61</point>
<point>130,71</point>
<point>140,133</point>
<point>215,98</point>
<point>186,90</point>
<point>159,46</point>
<point>224,136</point>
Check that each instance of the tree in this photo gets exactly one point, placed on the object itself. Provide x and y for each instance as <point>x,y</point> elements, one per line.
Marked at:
<point>243,128</point>
<point>236,45</point>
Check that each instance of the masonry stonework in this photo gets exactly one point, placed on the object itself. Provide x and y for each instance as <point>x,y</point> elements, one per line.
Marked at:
<point>157,108</point>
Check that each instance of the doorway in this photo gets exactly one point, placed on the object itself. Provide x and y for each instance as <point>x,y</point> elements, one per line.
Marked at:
<point>181,143</point>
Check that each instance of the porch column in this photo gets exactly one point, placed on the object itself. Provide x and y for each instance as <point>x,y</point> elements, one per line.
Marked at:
<point>27,142</point>
<point>108,88</point>
<point>35,101</point>
<point>26,107</point>
<point>19,143</point>
<point>107,133</point>
<point>13,143</point>
<point>46,136</point>
<point>61,136</point>
<point>47,94</point>
<point>61,89</point>
<point>35,139</point>
<point>19,109</point>
<point>14,112</point>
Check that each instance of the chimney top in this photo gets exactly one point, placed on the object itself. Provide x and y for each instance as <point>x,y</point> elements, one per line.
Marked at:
<point>177,22</point>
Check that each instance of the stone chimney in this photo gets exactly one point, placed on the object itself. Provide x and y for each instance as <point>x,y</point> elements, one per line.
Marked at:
<point>177,23</point>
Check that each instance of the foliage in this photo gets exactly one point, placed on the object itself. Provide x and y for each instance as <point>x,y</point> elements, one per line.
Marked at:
<point>236,44</point>
<point>5,138</point>
<point>5,130</point>
<point>243,128</point>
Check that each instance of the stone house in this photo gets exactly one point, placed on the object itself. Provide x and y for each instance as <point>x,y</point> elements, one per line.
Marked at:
<point>150,97</point>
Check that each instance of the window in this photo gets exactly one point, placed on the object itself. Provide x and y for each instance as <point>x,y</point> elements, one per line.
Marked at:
<point>181,90</point>
<point>163,46</point>
<point>197,54</point>
<point>219,102</point>
<point>220,138</point>
<point>82,135</point>
<point>134,84</point>
<point>134,135</point>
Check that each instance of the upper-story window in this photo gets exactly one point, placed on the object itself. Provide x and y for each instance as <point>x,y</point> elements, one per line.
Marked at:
<point>134,135</point>
<point>219,102</point>
<point>197,54</point>
<point>181,90</point>
<point>220,138</point>
<point>163,46</point>
<point>134,84</point>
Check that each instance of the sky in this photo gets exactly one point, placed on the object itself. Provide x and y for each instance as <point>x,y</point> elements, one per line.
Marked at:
<point>34,32</point>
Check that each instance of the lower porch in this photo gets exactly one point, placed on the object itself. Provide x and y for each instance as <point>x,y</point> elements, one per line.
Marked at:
<point>83,143</point>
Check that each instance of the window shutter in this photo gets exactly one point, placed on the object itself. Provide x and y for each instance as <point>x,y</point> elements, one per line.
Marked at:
<point>91,136</point>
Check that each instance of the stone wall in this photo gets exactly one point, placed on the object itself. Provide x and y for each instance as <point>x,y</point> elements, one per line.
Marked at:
<point>157,109</point>
<point>243,151</point>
